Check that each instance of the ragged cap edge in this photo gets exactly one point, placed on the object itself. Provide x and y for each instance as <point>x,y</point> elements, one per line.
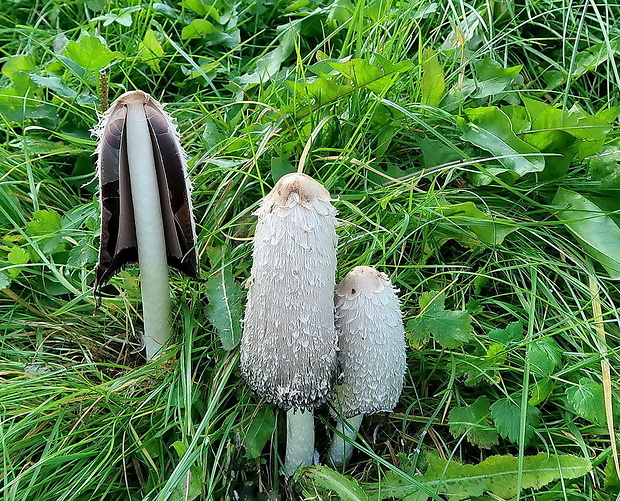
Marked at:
<point>140,96</point>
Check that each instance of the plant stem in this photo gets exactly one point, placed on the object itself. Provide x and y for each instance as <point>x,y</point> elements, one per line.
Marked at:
<point>149,231</point>
<point>299,440</point>
<point>343,440</point>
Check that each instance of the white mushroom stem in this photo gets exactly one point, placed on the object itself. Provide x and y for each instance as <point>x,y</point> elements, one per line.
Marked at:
<point>149,230</point>
<point>344,438</point>
<point>299,440</point>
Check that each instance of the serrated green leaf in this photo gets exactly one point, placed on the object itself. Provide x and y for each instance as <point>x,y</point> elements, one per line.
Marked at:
<point>450,329</point>
<point>513,333</point>
<point>497,475</point>
<point>44,223</point>
<point>473,421</point>
<point>433,81</point>
<point>587,400</point>
<point>597,232</point>
<point>18,256</point>
<point>90,52</point>
<point>327,479</point>
<point>507,416</point>
<point>224,309</point>
<point>260,431</point>
<point>490,129</point>
<point>485,364</point>
<point>55,84</point>
<point>544,355</point>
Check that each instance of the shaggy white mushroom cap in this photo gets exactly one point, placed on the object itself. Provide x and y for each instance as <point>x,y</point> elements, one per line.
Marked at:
<point>289,342</point>
<point>372,355</point>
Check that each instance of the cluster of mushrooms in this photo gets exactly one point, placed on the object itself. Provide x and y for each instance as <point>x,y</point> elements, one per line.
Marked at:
<point>298,342</point>
<point>302,345</point>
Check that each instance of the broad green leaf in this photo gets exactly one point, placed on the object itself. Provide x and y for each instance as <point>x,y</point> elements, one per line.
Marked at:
<point>55,84</point>
<point>496,475</point>
<point>202,8</point>
<point>473,421</point>
<point>605,165</point>
<point>150,50</point>
<point>44,222</point>
<point>17,108</point>
<point>198,28</point>
<point>544,355</point>
<point>597,232</point>
<point>347,488</point>
<point>279,167</point>
<point>587,400</point>
<point>4,281</point>
<point>472,226</point>
<point>224,309</point>
<point>322,90</point>
<point>433,82</point>
<point>450,329</point>
<point>267,66</point>
<point>490,129</point>
<point>90,52</point>
<point>436,153</point>
<point>260,431</point>
<point>589,59</point>
<point>15,64</point>
<point>566,132</point>
<point>513,333</point>
<point>540,391</point>
<point>507,416</point>
<point>376,78</point>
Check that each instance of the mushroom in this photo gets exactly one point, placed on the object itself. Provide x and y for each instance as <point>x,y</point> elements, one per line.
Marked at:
<point>146,209</point>
<point>289,342</point>
<point>372,356</point>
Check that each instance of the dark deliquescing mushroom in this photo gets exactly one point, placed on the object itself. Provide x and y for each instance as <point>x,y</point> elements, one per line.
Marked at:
<point>372,356</point>
<point>289,343</point>
<point>146,208</point>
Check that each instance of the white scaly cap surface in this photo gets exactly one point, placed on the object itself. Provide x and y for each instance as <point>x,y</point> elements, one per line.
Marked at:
<point>372,355</point>
<point>289,342</point>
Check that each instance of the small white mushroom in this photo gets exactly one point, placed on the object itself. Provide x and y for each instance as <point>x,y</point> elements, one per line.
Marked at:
<point>372,356</point>
<point>289,342</point>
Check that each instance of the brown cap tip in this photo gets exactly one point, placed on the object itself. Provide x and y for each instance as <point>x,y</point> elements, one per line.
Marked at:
<point>307,189</point>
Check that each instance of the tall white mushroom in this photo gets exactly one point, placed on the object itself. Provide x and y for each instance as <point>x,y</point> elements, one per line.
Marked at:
<point>289,342</point>
<point>146,209</point>
<point>372,356</point>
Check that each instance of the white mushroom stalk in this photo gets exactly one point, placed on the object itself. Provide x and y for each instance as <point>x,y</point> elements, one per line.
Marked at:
<point>372,356</point>
<point>289,343</point>
<point>146,211</point>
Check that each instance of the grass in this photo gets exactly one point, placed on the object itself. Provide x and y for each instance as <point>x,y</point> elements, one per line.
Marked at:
<point>83,417</point>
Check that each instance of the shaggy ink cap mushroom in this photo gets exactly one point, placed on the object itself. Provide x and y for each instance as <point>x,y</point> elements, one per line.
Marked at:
<point>372,355</point>
<point>289,342</point>
<point>146,209</point>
